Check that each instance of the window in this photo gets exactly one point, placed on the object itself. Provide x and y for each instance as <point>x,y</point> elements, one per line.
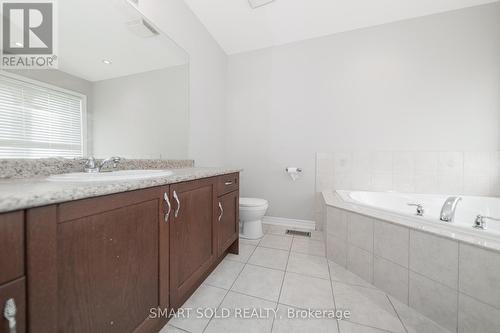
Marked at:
<point>38,120</point>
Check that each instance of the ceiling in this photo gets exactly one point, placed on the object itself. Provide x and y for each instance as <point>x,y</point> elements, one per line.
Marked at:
<point>93,30</point>
<point>238,28</point>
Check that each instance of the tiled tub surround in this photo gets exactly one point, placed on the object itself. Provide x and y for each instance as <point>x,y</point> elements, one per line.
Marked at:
<point>18,194</point>
<point>472,173</point>
<point>450,280</point>
<point>29,168</point>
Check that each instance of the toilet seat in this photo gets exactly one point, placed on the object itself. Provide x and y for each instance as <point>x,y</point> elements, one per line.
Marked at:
<point>252,202</point>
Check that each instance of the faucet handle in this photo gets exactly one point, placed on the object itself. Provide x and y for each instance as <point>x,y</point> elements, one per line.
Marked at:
<point>420,208</point>
<point>481,222</point>
<point>115,160</point>
<point>90,161</point>
<point>91,165</point>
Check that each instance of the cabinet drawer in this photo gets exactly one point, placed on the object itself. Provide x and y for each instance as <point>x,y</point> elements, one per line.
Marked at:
<point>11,246</point>
<point>14,290</point>
<point>228,183</point>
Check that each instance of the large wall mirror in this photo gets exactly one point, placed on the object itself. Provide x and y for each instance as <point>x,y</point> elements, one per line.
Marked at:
<point>121,89</point>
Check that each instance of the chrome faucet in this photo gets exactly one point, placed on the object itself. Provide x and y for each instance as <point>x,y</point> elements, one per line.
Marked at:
<point>91,166</point>
<point>449,208</point>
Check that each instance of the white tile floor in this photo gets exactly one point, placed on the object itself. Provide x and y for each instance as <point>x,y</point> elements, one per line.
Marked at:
<point>282,272</point>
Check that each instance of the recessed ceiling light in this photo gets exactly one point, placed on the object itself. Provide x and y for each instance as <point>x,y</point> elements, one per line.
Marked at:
<point>107,62</point>
<point>259,3</point>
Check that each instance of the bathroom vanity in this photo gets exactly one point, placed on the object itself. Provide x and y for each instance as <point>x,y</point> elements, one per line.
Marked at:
<point>102,263</point>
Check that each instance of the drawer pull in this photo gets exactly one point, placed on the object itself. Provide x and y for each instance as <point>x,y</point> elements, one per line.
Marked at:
<point>228,183</point>
<point>176,214</point>
<point>167,200</point>
<point>221,211</point>
<point>9,313</point>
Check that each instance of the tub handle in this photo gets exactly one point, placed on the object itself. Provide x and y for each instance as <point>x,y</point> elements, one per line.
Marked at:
<point>420,208</point>
<point>480,222</point>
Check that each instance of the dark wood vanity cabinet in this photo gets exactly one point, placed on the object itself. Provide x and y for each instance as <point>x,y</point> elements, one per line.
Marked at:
<point>193,242</point>
<point>102,264</point>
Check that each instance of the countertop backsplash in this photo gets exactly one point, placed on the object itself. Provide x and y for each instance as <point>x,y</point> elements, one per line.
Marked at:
<point>32,168</point>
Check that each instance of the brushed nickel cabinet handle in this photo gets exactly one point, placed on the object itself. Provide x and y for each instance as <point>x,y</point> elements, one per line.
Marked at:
<point>221,211</point>
<point>228,183</point>
<point>9,313</point>
<point>176,214</point>
<point>167,200</point>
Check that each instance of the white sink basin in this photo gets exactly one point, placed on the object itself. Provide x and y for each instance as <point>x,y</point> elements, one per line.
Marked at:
<point>109,176</point>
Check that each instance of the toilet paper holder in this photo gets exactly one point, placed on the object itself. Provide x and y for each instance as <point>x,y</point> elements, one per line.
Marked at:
<point>293,172</point>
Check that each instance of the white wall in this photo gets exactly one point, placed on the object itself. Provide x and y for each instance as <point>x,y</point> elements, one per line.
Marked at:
<point>142,115</point>
<point>427,84</point>
<point>208,66</point>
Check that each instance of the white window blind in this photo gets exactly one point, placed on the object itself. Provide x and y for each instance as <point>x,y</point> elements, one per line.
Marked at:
<point>37,121</point>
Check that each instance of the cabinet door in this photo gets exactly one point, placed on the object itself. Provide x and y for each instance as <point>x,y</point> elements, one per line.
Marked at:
<point>109,266</point>
<point>227,221</point>
<point>11,246</point>
<point>192,236</point>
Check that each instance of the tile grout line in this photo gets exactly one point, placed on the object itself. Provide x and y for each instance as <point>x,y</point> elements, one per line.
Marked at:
<point>314,255</point>
<point>478,300</point>
<point>227,292</point>
<point>252,296</point>
<point>408,291</point>
<point>373,251</point>
<point>282,283</point>
<point>286,266</point>
<point>358,286</point>
<point>286,271</point>
<point>373,327</point>
<point>458,287</point>
<point>180,329</point>
<point>333,294</point>
<point>435,281</point>
<point>371,286</point>
<point>397,313</point>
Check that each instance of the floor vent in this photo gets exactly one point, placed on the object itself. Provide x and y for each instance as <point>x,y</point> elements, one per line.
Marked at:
<point>298,233</point>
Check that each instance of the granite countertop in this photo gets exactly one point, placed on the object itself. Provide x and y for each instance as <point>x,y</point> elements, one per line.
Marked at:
<point>331,198</point>
<point>16,194</point>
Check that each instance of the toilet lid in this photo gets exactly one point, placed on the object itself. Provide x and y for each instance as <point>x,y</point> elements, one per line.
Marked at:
<point>252,202</point>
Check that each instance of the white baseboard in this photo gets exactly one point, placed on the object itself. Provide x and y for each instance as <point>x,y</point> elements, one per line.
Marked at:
<point>292,223</point>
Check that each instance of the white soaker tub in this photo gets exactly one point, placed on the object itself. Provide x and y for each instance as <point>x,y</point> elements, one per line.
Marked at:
<point>466,212</point>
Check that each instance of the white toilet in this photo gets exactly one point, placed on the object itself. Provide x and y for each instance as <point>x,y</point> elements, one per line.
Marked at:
<point>251,212</point>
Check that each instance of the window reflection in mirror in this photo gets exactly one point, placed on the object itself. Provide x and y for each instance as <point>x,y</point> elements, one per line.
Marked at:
<point>121,88</point>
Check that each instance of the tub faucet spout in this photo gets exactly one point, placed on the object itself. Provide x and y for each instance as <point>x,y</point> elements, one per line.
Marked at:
<point>449,208</point>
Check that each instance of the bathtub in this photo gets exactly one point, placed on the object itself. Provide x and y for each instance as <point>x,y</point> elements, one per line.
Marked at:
<point>396,204</point>
<point>435,267</point>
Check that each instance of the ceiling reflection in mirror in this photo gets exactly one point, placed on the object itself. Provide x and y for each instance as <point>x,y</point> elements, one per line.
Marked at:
<point>121,88</point>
